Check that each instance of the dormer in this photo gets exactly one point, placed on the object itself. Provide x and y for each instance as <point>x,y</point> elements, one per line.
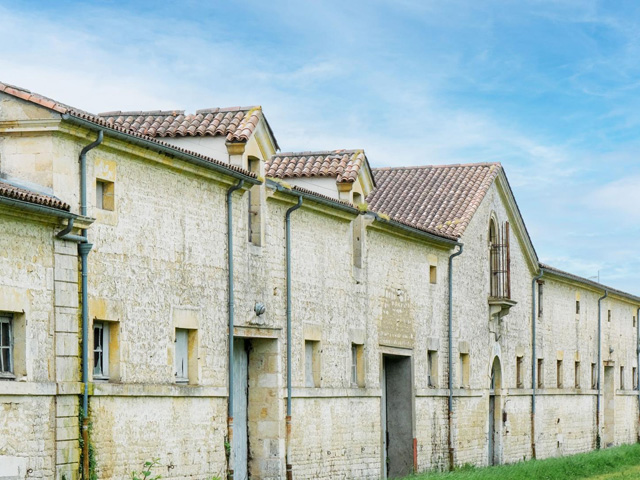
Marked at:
<point>234,135</point>
<point>341,174</point>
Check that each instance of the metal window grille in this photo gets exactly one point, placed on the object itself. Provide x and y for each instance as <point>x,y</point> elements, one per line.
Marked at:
<point>6,345</point>
<point>500,262</point>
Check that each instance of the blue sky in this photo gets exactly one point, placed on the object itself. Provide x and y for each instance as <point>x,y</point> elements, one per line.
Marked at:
<point>548,88</point>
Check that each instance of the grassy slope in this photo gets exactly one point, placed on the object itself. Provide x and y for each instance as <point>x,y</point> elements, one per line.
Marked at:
<point>614,463</point>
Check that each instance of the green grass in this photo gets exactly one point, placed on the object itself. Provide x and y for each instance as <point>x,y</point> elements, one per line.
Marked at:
<point>613,463</point>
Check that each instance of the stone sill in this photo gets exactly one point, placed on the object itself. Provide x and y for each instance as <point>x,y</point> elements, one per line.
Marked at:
<point>106,389</point>
<point>310,392</point>
<point>11,387</point>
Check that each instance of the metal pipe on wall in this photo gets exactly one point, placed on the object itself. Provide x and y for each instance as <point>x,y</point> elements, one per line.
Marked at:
<point>450,354</point>
<point>598,439</point>
<point>231,318</point>
<point>289,468</point>
<point>84,247</point>
<point>534,315</point>
<point>638,365</point>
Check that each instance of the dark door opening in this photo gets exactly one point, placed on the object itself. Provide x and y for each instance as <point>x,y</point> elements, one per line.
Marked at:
<point>398,415</point>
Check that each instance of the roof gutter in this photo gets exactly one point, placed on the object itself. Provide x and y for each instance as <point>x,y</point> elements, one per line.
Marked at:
<point>35,208</point>
<point>415,231</point>
<point>156,147</point>
<point>553,272</point>
<point>314,198</point>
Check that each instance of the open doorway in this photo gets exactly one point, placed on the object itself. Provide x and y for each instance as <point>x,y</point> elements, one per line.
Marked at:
<point>495,413</point>
<point>256,443</point>
<point>397,415</point>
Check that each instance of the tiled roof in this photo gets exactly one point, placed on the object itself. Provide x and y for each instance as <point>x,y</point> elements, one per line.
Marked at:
<point>343,165</point>
<point>17,193</point>
<point>441,198</point>
<point>236,123</point>
<point>81,114</point>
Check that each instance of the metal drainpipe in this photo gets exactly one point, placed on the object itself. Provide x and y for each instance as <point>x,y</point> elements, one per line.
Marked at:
<point>84,247</point>
<point>638,365</point>
<point>534,361</point>
<point>450,354</point>
<point>231,313</point>
<point>598,440</point>
<point>289,467</point>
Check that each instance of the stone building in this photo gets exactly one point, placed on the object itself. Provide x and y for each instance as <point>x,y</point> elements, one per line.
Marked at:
<point>229,309</point>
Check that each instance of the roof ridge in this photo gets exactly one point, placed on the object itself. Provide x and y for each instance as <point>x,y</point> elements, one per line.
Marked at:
<point>140,112</point>
<point>319,152</point>
<point>444,165</point>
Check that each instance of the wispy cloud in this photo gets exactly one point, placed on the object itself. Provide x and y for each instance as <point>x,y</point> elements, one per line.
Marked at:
<point>548,88</point>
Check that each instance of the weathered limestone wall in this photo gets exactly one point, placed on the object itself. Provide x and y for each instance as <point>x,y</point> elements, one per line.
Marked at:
<point>27,406</point>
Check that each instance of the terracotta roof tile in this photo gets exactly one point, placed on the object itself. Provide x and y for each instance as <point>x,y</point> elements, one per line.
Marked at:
<point>343,165</point>
<point>236,123</point>
<point>90,117</point>
<point>8,190</point>
<point>440,198</point>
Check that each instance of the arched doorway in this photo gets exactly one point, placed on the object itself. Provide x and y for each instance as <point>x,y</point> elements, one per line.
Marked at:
<point>495,412</point>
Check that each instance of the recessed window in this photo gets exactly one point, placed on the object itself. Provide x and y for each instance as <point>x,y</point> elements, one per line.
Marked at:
<point>576,373</point>
<point>105,195</point>
<point>559,374</point>
<point>101,343</point>
<point>432,368</point>
<point>594,377</point>
<point>519,379</point>
<point>6,346</point>
<point>634,321</point>
<point>621,377</point>
<point>634,378</point>
<point>540,373</point>
<point>608,315</point>
<point>499,260</point>
<point>185,360</point>
<point>357,365</point>
<point>540,296</point>
<point>433,273</point>
<point>255,206</point>
<point>464,370</point>
<point>577,307</point>
<point>312,363</point>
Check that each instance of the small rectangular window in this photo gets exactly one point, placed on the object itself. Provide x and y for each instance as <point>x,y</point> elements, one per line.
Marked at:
<point>634,321</point>
<point>594,377</point>
<point>540,373</point>
<point>357,365</point>
<point>519,380</point>
<point>621,377</point>
<point>433,274</point>
<point>576,374</point>
<point>540,298</point>
<point>432,368</point>
<point>104,195</point>
<point>182,355</point>
<point>634,379</point>
<point>312,363</point>
<point>464,370</point>
<point>101,342</point>
<point>577,307</point>
<point>6,346</point>
<point>608,315</point>
<point>559,374</point>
